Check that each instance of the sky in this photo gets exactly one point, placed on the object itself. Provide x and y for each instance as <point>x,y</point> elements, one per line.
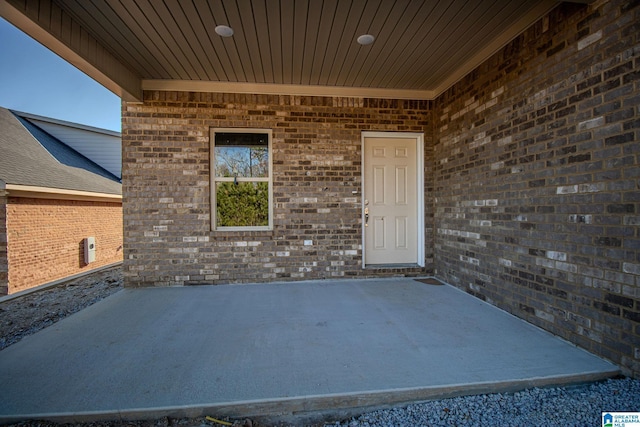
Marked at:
<point>35,80</point>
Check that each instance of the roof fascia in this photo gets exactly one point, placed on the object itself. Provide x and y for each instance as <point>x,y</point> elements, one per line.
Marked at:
<point>73,43</point>
<point>14,190</point>
<point>67,124</point>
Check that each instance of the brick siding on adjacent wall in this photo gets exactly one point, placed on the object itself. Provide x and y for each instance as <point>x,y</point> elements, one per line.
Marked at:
<point>537,178</point>
<point>316,170</point>
<point>45,238</point>
<point>4,267</point>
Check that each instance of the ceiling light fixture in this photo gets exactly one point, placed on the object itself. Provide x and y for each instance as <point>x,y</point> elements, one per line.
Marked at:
<point>366,39</point>
<point>224,31</point>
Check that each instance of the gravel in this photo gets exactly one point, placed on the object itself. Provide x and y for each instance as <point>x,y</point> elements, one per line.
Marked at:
<point>565,406</point>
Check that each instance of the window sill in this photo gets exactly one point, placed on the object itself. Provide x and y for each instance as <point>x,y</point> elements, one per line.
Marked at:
<point>243,232</point>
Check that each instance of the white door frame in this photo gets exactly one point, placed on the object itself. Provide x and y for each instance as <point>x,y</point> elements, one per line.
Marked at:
<point>419,138</point>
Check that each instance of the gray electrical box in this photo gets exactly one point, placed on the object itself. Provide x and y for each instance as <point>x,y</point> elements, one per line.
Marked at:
<point>89,250</point>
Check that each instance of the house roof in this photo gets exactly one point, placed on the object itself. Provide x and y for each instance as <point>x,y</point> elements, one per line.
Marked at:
<point>304,47</point>
<point>102,146</point>
<point>33,158</point>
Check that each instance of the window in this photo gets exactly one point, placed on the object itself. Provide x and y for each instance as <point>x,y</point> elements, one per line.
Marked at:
<point>241,190</point>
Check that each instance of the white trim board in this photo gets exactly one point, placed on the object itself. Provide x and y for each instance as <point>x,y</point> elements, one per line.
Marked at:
<point>419,137</point>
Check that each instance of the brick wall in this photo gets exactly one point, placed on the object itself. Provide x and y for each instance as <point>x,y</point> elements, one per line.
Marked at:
<point>4,268</point>
<point>532,192</point>
<point>537,179</point>
<point>316,168</point>
<point>45,238</point>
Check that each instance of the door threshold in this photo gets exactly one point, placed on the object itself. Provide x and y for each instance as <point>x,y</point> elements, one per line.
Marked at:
<point>389,266</point>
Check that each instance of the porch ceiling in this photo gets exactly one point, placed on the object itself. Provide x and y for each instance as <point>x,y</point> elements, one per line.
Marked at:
<point>279,46</point>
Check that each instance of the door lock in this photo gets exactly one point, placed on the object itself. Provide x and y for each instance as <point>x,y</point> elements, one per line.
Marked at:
<point>366,217</point>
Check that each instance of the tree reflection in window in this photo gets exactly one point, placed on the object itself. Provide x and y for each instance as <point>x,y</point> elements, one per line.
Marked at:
<point>241,179</point>
<point>242,155</point>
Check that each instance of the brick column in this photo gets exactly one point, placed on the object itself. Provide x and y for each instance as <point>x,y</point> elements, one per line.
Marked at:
<point>4,264</point>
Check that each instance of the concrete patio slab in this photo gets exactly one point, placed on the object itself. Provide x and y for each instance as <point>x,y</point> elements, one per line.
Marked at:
<point>276,350</point>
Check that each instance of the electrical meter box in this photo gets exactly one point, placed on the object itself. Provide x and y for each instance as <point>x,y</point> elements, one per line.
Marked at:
<point>89,250</point>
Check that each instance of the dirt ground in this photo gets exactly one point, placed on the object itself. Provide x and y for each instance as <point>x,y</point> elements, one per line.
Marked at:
<point>33,312</point>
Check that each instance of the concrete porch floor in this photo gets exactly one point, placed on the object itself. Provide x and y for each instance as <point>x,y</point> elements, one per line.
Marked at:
<point>279,351</point>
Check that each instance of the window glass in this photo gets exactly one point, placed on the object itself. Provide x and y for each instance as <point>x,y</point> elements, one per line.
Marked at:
<point>242,204</point>
<point>241,154</point>
<point>241,179</point>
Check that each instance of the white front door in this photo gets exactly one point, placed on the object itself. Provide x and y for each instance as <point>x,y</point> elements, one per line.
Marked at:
<point>391,199</point>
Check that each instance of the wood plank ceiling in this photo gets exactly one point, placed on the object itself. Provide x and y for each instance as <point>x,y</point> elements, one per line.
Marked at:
<point>420,46</point>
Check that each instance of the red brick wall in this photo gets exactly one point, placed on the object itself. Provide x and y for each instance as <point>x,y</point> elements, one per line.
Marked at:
<point>45,238</point>
<point>316,168</point>
<point>537,168</point>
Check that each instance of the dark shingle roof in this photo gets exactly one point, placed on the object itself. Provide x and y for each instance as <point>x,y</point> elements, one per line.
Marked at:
<point>31,156</point>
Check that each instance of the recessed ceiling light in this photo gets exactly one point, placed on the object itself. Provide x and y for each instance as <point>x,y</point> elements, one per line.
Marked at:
<point>366,39</point>
<point>224,31</point>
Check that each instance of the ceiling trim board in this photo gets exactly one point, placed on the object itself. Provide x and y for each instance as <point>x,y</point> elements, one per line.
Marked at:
<point>277,89</point>
<point>491,49</point>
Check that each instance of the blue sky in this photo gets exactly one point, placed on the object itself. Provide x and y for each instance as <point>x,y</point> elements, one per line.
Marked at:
<point>35,80</point>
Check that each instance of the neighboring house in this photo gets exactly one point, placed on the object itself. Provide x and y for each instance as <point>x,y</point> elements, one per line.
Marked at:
<point>493,144</point>
<point>52,198</point>
<point>101,146</point>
